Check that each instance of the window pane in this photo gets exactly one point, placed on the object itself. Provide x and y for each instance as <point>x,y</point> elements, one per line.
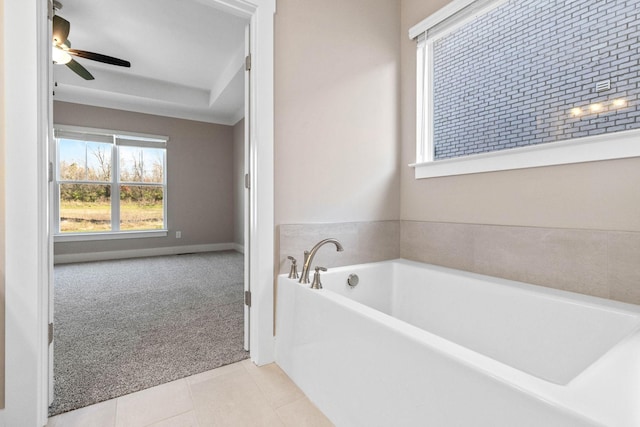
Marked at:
<point>85,208</point>
<point>84,160</point>
<point>141,207</point>
<point>153,164</point>
<point>98,161</point>
<point>138,164</point>
<point>130,164</point>
<point>72,159</point>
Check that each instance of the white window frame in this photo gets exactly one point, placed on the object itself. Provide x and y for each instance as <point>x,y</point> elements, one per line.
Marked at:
<point>577,150</point>
<point>118,139</point>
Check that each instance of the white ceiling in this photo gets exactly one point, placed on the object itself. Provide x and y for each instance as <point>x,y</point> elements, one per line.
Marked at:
<point>186,58</point>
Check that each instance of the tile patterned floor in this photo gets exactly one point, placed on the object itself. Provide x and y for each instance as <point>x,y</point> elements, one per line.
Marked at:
<point>237,395</point>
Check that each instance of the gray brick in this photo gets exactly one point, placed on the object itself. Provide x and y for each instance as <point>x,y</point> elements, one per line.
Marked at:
<point>498,87</point>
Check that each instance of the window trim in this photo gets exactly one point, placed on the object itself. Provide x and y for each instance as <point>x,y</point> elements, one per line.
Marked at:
<point>119,138</point>
<point>617,145</point>
<point>575,150</point>
<point>113,235</point>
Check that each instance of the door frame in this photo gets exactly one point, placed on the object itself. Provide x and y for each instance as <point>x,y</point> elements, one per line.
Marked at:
<point>259,158</point>
<point>27,94</point>
<point>246,202</point>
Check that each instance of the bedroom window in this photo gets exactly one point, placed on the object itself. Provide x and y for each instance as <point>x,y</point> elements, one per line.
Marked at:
<point>508,84</point>
<point>109,184</point>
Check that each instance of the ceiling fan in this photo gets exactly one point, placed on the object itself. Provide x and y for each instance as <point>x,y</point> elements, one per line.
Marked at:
<point>62,51</point>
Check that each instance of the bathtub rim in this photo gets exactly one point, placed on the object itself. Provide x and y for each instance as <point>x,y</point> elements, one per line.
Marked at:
<point>530,288</point>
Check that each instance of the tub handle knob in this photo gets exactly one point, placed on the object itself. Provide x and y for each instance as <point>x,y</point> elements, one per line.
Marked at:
<point>316,284</point>
<point>293,273</point>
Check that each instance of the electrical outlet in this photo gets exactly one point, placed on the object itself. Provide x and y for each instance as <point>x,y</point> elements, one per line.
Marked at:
<point>178,234</point>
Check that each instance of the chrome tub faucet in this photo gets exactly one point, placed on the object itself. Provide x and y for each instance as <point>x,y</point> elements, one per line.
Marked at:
<point>308,257</point>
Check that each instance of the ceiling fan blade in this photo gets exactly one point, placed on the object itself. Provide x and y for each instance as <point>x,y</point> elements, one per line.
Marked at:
<point>100,57</point>
<point>79,70</point>
<point>61,29</point>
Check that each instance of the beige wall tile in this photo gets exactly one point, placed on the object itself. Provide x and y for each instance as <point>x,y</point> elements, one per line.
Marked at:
<point>378,240</point>
<point>362,241</point>
<point>154,404</point>
<point>296,238</point>
<point>624,266</point>
<point>598,263</point>
<point>99,415</point>
<point>572,260</point>
<point>302,413</point>
<point>449,245</point>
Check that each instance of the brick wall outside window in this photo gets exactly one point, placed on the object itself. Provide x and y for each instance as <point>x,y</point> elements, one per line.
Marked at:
<point>512,77</point>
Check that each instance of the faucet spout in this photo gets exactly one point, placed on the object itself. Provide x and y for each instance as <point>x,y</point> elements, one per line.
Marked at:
<point>308,257</point>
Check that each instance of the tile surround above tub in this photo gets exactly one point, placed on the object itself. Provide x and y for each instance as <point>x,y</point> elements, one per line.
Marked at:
<point>362,241</point>
<point>592,262</point>
<point>623,260</point>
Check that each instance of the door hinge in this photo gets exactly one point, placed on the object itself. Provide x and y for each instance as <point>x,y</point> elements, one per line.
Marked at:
<point>50,10</point>
<point>247,181</point>
<point>247,63</point>
<point>247,298</point>
<point>50,171</point>
<point>50,333</point>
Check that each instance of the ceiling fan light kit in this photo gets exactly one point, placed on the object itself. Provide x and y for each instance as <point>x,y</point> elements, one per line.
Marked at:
<point>59,56</point>
<point>62,52</point>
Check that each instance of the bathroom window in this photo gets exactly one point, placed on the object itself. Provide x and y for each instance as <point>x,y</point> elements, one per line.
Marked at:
<point>109,184</point>
<point>507,84</point>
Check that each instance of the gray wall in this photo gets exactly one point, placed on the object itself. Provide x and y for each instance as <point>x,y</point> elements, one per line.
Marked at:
<point>199,176</point>
<point>498,85</point>
<point>238,182</point>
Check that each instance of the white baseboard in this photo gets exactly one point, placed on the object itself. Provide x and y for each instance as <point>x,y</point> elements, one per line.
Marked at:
<point>139,253</point>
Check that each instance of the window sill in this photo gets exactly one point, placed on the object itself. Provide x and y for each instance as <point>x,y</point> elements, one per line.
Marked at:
<point>84,237</point>
<point>617,145</point>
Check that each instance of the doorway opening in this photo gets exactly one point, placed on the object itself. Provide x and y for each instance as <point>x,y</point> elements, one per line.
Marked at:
<point>28,248</point>
<point>144,300</point>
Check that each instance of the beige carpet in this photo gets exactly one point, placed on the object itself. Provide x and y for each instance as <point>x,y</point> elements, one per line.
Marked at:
<point>123,326</point>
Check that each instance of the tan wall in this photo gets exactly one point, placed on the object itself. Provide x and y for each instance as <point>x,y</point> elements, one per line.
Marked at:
<point>336,111</point>
<point>199,176</point>
<point>2,195</point>
<point>595,196</point>
<point>238,182</point>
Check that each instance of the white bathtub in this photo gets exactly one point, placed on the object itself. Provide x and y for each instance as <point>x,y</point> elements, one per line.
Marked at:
<point>419,345</point>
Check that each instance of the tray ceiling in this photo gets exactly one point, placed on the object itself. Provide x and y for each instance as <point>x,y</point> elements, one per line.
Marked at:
<point>186,58</point>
